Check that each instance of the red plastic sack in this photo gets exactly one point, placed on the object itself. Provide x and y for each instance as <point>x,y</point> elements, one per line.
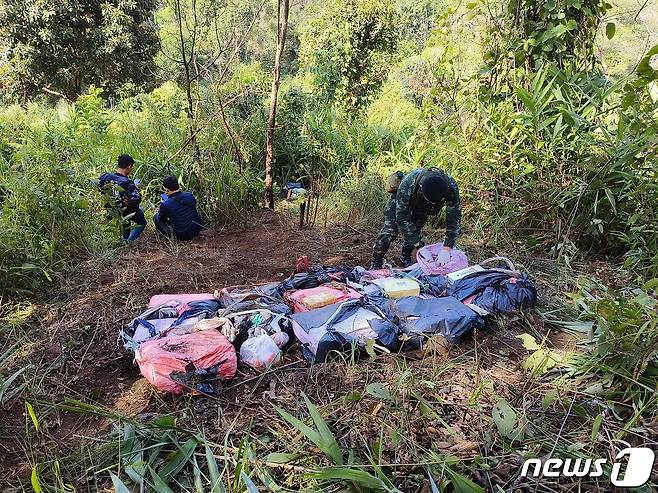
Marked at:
<point>303,300</point>
<point>178,363</point>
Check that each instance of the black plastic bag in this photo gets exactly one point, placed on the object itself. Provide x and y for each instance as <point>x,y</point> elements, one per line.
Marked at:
<point>496,290</point>
<point>421,318</point>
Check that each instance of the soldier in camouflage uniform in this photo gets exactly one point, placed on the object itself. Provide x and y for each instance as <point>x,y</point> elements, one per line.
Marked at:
<point>421,193</point>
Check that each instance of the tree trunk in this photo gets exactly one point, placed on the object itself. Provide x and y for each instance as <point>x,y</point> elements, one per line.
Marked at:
<point>186,62</point>
<point>282,24</point>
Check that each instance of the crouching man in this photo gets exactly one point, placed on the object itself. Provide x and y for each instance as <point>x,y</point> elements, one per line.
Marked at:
<point>123,198</point>
<point>177,216</point>
<point>421,193</point>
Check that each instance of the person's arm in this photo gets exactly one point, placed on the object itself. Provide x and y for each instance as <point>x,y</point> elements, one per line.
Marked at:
<point>132,195</point>
<point>163,212</point>
<point>453,216</point>
<point>403,210</point>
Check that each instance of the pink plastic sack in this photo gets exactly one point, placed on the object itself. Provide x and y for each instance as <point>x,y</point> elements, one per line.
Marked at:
<point>303,300</point>
<point>177,363</point>
<point>428,253</point>
<point>181,299</point>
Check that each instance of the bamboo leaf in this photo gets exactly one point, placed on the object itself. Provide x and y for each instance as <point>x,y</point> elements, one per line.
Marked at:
<point>251,487</point>
<point>281,458</point>
<point>34,479</point>
<point>596,426</point>
<point>216,483</point>
<point>350,474</point>
<point>178,460</point>
<point>119,486</point>
<point>330,446</point>
<point>160,485</point>
<point>196,472</point>
<point>462,484</point>
<point>33,415</point>
<point>433,486</point>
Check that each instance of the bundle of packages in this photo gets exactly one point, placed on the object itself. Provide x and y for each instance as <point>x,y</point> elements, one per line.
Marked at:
<point>167,312</point>
<point>339,326</point>
<point>421,318</point>
<point>496,290</point>
<point>309,299</point>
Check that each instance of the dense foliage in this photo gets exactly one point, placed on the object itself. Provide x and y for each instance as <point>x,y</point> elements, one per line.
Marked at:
<point>548,148</point>
<point>67,46</point>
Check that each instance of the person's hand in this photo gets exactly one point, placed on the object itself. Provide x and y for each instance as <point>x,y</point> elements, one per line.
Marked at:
<point>443,256</point>
<point>420,244</point>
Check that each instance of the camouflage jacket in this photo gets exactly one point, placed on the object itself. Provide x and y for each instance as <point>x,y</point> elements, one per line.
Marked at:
<point>412,207</point>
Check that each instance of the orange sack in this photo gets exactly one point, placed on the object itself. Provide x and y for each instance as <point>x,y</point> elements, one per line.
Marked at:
<point>187,362</point>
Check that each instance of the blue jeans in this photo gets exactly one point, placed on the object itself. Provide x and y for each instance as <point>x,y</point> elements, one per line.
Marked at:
<point>132,234</point>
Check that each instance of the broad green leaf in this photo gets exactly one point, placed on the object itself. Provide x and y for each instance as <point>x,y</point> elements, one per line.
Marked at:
<point>160,485</point>
<point>370,348</point>
<point>119,486</point>
<point>504,417</point>
<point>34,479</point>
<point>651,284</point>
<point>596,426</point>
<point>541,361</point>
<point>353,396</point>
<point>347,473</point>
<point>379,391</point>
<point>548,399</point>
<point>32,414</point>
<point>175,462</point>
<point>462,484</point>
<point>610,29</point>
<point>528,341</point>
<point>281,457</point>
<point>644,68</point>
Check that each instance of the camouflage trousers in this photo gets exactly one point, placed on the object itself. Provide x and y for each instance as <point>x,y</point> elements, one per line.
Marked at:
<point>390,231</point>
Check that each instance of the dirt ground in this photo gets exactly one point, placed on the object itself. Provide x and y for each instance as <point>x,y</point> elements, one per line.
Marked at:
<point>80,337</point>
<point>79,358</point>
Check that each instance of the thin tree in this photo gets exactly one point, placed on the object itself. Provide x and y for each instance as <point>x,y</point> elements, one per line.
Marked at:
<point>282,27</point>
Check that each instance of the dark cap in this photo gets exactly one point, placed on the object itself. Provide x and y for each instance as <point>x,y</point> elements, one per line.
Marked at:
<point>170,183</point>
<point>434,188</point>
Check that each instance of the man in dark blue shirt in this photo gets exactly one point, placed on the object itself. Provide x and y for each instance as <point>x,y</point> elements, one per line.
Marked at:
<point>177,216</point>
<point>124,196</point>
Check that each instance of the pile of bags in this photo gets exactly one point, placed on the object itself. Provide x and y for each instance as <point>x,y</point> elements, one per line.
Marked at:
<point>188,342</point>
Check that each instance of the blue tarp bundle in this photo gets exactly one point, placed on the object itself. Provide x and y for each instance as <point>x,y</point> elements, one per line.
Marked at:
<point>496,290</point>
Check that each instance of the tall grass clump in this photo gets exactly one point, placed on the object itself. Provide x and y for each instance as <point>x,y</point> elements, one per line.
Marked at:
<point>51,157</point>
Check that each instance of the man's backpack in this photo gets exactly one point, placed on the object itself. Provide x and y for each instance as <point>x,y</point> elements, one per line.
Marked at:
<point>393,182</point>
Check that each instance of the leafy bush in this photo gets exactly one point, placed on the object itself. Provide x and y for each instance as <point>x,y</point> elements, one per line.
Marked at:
<point>50,158</point>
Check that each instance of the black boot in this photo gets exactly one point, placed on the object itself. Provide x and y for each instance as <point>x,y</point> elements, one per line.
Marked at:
<point>405,257</point>
<point>377,262</point>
